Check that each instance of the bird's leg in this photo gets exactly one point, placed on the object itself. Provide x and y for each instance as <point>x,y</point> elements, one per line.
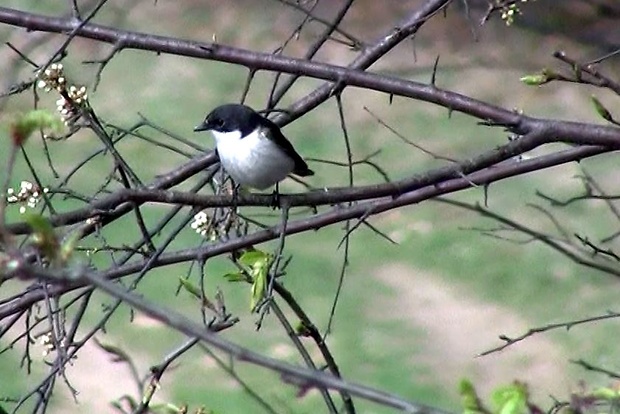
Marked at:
<point>230,214</point>
<point>275,198</point>
<point>235,194</point>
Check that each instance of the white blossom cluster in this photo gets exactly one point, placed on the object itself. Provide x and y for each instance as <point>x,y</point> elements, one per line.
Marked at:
<point>510,11</point>
<point>200,223</point>
<point>71,98</point>
<point>29,195</point>
<point>53,78</point>
<point>45,341</point>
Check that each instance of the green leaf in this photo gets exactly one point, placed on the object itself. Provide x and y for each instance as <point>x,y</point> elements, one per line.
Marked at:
<point>68,244</point>
<point>39,224</point>
<point>259,287</point>
<point>545,76</point>
<point>510,399</point>
<point>252,257</point>
<point>43,234</point>
<point>32,121</point>
<point>236,277</point>
<point>601,110</point>
<point>3,411</point>
<point>190,287</point>
<point>604,393</point>
<point>257,264</point>
<point>534,80</point>
<point>301,329</point>
<point>469,398</point>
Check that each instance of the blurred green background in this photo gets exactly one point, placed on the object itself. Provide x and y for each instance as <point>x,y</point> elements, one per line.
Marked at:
<point>412,316</point>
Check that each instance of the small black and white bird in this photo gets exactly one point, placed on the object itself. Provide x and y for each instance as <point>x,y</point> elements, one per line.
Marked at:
<point>252,149</point>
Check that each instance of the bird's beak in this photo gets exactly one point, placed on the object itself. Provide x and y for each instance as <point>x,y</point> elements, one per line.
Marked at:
<point>201,127</point>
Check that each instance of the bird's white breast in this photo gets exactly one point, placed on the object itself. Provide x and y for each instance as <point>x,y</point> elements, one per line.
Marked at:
<point>253,160</point>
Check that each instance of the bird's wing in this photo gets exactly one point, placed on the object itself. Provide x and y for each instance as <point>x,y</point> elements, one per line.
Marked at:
<point>301,168</point>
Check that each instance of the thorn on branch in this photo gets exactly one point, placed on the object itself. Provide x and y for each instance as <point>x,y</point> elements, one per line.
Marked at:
<point>434,74</point>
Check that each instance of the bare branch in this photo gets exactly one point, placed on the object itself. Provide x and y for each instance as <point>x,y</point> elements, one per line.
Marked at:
<point>552,326</point>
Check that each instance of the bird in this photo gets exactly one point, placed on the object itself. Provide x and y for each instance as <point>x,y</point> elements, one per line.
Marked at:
<point>251,148</point>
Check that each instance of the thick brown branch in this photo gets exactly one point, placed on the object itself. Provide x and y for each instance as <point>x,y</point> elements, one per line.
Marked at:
<point>335,215</point>
<point>354,76</point>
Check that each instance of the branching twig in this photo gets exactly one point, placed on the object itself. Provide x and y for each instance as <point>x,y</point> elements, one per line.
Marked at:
<point>562,325</point>
<point>292,374</point>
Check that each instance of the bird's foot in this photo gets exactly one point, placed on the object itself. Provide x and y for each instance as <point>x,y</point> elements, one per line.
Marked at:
<point>235,195</point>
<point>275,198</point>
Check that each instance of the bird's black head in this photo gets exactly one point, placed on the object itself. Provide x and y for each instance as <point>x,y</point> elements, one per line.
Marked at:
<point>231,117</point>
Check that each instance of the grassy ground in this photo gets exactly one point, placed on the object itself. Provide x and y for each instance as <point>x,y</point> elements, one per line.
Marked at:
<point>412,316</point>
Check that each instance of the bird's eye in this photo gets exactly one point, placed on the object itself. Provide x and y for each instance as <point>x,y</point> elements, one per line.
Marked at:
<point>217,122</point>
